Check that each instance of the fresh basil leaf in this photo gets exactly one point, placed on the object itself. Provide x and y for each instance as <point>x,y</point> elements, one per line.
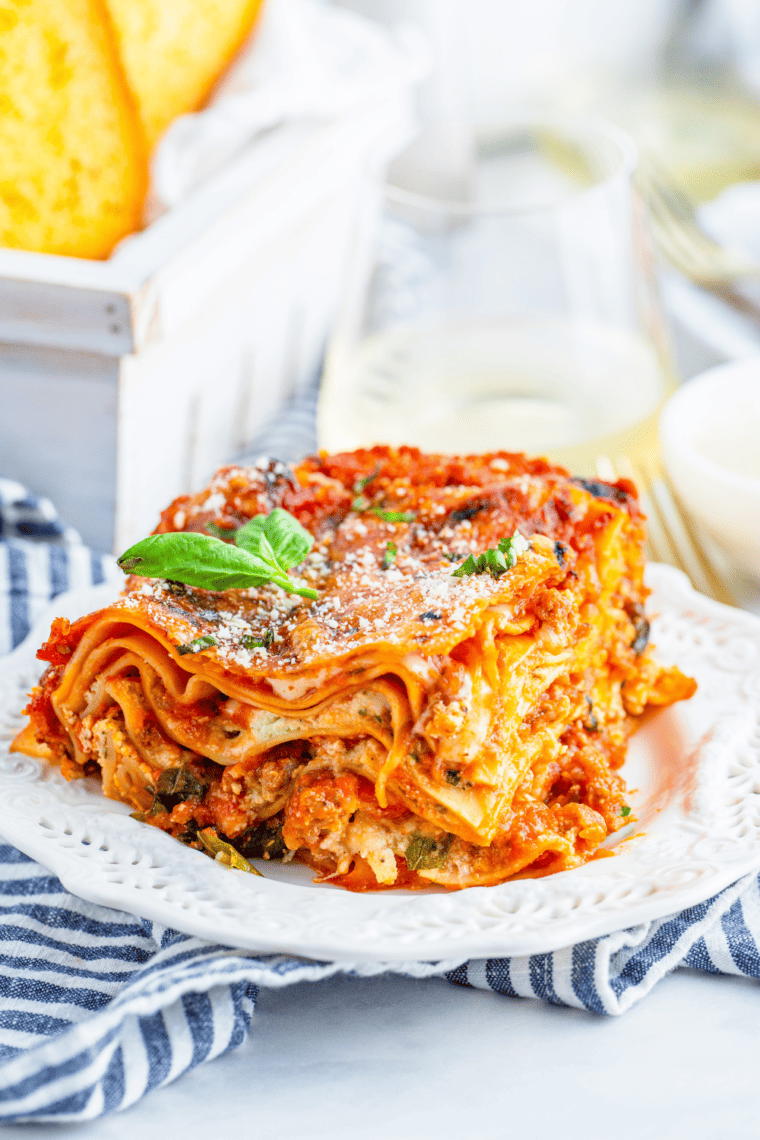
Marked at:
<point>128,564</point>
<point>195,559</point>
<point>277,542</point>
<point>290,541</point>
<point>224,852</point>
<point>220,531</point>
<point>253,540</point>
<point>277,539</point>
<point>204,562</point>
<point>425,854</point>
<point>196,645</point>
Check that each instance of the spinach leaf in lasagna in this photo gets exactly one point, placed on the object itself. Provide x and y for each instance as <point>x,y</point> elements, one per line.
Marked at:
<point>426,854</point>
<point>265,549</point>
<point>224,852</point>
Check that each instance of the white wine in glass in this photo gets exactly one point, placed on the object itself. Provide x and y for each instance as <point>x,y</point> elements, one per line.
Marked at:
<point>524,319</point>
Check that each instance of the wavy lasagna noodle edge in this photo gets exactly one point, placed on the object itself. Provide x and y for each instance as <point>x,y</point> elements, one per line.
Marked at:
<point>407,728</point>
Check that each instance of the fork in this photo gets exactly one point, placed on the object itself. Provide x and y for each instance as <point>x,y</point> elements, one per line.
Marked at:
<point>672,537</point>
<point>682,241</point>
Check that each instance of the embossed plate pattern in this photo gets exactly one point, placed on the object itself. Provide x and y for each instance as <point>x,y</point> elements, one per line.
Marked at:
<point>693,772</point>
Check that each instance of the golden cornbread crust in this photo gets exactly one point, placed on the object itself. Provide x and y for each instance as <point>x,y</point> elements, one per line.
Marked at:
<point>73,165</point>
<point>87,87</point>
<point>173,52</point>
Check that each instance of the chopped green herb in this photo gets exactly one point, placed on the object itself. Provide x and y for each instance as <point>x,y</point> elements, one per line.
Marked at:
<point>362,712</point>
<point>265,548</point>
<point>391,551</point>
<point>425,854</point>
<point>494,561</point>
<point>625,810</point>
<point>224,852</point>
<point>195,646</point>
<point>258,642</point>
<point>361,504</point>
<point>219,531</point>
<point>392,516</point>
<point>360,484</point>
<point>453,776</point>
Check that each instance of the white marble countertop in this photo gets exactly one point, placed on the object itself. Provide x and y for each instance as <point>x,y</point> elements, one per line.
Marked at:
<point>405,1059</point>
<point>401,1059</point>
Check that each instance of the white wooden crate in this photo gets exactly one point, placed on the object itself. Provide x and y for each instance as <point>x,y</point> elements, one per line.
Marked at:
<point>127,382</point>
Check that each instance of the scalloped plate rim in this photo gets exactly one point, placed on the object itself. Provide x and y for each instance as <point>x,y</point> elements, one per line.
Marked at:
<point>455,926</point>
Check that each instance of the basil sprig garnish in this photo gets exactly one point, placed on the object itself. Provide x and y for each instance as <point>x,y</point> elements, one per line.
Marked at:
<point>217,531</point>
<point>264,550</point>
<point>495,561</point>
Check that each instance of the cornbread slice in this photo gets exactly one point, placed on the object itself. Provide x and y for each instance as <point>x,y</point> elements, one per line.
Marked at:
<point>173,51</point>
<point>73,166</point>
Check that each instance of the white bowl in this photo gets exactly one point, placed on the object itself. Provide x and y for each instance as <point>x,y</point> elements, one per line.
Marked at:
<point>710,432</point>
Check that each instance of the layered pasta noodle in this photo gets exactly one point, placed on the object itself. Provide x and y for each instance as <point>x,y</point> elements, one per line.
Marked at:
<point>408,728</point>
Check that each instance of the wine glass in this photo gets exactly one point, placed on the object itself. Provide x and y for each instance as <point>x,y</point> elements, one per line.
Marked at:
<point>522,316</point>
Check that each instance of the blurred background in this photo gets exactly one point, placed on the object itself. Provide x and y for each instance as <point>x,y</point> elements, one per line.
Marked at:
<point>494,225</point>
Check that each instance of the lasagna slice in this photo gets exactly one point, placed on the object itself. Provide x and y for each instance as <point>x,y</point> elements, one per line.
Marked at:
<point>412,725</point>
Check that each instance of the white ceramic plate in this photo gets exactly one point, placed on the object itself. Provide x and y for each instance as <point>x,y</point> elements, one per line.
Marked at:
<point>693,771</point>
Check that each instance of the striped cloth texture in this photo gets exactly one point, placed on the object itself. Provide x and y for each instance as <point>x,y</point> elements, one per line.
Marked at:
<point>98,1007</point>
<point>40,557</point>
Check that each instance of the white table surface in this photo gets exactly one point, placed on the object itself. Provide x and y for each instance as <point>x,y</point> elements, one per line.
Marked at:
<point>401,1059</point>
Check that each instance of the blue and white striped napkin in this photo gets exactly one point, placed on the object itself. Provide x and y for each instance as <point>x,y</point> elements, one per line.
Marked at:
<point>97,1007</point>
<point>40,557</point>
